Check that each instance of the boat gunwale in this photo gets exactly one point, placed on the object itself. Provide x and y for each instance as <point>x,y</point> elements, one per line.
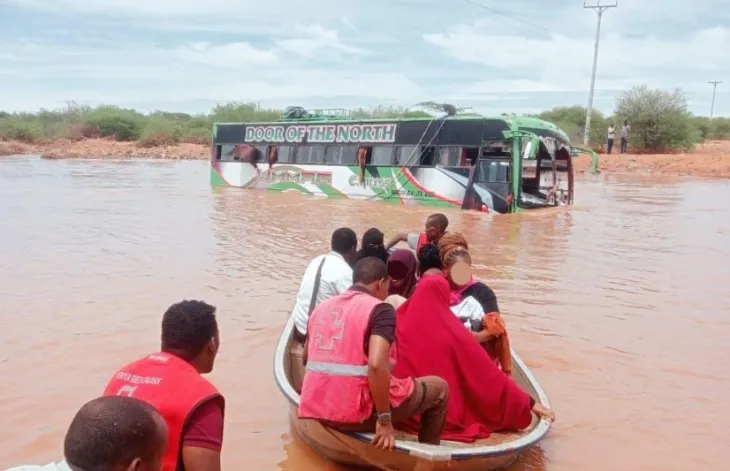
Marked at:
<point>426,451</point>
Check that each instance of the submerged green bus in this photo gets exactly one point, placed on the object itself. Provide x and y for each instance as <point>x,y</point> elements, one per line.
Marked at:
<point>500,164</point>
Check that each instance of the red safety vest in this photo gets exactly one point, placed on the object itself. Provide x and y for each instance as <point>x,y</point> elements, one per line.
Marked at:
<point>173,387</point>
<point>335,386</point>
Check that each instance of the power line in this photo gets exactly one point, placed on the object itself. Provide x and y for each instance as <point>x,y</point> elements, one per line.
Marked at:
<point>714,89</point>
<point>507,15</point>
<point>599,9</point>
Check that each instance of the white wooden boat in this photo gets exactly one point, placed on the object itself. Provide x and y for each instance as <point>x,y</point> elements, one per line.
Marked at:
<point>354,449</point>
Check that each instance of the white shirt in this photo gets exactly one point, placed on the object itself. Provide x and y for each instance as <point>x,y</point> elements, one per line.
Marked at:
<point>470,312</point>
<point>413,240</point>
<point>336,279</point>
<point>60,466</point>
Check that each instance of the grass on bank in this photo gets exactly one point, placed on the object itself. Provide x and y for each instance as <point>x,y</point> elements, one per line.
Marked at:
<point>660,122</point>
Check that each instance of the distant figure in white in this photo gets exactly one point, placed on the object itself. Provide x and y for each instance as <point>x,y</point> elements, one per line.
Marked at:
<point>326,276</point>
<point>625,131</point>
<point>611,138</point>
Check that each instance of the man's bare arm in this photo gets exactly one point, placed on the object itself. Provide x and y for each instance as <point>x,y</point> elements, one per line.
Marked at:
<point>400,237</point>
<point>379,373</point>
<point>201,459</point>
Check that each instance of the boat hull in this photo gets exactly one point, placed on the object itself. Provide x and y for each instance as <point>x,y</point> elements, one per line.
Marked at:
<point>355,449</point>
<point>350,451</point>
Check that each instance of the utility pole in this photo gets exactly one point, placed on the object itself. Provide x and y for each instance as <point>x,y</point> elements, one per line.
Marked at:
<point>714,89</point>
<point>599,9</point>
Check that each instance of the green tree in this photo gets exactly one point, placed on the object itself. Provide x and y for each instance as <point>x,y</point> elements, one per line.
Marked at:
<point>659,120</point>
<point>572,120</point>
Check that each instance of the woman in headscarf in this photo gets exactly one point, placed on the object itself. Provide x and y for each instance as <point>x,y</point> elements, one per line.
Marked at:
<point>473,302</point>
<point>373,245</point>
<point>432,341</point>
<point>402,267</point>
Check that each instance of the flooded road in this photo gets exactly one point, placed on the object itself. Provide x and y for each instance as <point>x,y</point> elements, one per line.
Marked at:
<point>620,304</point>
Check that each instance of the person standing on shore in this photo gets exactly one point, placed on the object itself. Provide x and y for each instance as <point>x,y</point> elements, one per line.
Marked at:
<point>611,137</point>
<point>625,130</point>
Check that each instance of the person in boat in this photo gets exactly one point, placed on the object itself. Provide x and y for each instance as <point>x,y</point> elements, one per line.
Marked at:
<point>111,434</point>
<point>432,341</point>
<point>326,276</point>
<point>373,245</point>
<point>402,271</point>
<point>473,302</point>
<point>429,261</point>
<point>436,225</point>
<point>351,347</point>
<point>171,381</point>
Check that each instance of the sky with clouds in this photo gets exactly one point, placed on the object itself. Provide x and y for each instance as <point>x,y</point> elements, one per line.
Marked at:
<point>521,56</point>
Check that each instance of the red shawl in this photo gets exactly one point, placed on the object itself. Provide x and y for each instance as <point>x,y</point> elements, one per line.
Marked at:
<point>432,341</point>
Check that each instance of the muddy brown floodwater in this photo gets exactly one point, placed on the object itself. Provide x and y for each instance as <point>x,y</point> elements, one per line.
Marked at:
<point>620,304</point>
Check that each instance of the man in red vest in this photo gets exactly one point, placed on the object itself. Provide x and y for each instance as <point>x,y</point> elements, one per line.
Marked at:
<point>171,381</point>
<point>349,352</point>
<point>436,225</point>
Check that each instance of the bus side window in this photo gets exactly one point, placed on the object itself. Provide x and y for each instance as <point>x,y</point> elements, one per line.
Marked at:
<point>382,155</point>
<point>469,156</point>
<point>341,155</point>
<point>317,155</point>
<point>449,156</point>
<point>407,155</point>
<point>284,154</point>
<point>310,154</point>
<point>349,155</point>
<point>218,151</point>
<point>428,156</point>
<point>261,153</point>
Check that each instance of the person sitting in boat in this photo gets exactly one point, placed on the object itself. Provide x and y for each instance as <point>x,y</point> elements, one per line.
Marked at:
<point>373,245</point>
<point>326,276</point>
<point>432,341</point>
<point>436,225</point>
<point>111,433</point>
<point>473,302</point>
<point>171,381</point>
<point>402,271</point>
<point>429,261</point>
<point>350,350</point>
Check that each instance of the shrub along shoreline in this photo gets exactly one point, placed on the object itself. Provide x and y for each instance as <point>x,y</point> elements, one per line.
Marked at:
<point>660,124</point>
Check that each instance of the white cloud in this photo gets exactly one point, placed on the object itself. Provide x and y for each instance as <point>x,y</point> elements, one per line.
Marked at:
<point>356,53</point>
<point>317,39</point>
<point>235,55</point>
<point>563,63</point>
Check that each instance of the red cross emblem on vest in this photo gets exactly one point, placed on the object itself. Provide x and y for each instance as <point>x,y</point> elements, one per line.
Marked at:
<point>331,329</point>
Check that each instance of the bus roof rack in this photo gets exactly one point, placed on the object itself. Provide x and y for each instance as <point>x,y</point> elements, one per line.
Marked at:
<point>293,113</point>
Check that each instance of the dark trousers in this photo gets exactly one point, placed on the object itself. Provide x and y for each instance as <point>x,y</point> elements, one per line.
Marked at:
<point>609,145</point>
<point>624,144</point>
<point>429,400</point>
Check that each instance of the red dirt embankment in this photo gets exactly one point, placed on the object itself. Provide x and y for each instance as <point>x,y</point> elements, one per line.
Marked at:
<point>104,148</point>
<point>711,159</point>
